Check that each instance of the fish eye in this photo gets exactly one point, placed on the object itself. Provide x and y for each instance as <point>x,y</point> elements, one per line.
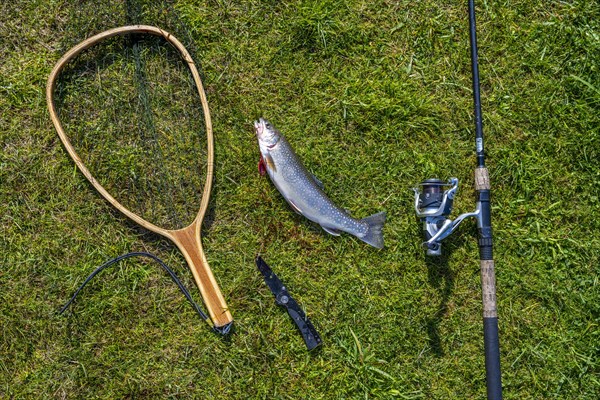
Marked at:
<point>268,125</point>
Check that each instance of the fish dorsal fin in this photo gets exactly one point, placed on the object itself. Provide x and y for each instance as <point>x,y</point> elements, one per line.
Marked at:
<point>331,231</point>
<point>318,182</point>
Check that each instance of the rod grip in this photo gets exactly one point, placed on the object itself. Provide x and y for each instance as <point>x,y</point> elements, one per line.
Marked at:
<point>492,358</point>
<point>490,330</point>
<point>482,179</point>
<point>488,289</point>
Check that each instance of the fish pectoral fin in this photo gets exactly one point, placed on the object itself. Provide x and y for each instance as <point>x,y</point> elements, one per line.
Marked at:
<point>331,231</point>
<point>270,163</point>
<point>294,207</point>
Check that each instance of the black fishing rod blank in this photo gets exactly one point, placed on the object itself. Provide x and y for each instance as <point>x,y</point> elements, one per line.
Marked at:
<point>488,274</point>
<point>433,205</point>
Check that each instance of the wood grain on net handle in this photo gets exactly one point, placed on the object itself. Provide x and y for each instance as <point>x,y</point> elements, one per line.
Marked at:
<point>187,239</point>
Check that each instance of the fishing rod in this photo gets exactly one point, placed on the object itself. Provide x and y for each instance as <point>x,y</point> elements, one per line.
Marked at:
<point>433,206</point>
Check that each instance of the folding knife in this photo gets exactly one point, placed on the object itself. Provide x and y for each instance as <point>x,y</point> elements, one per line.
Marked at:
<point>283,298</point>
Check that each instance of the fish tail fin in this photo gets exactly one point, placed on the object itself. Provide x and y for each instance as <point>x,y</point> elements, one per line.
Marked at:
<point>374,235</point>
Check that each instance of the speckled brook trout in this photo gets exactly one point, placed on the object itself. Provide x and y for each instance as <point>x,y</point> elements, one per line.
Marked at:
<point>303,191</point>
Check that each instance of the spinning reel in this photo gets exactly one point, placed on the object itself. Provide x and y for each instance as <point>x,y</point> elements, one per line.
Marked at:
<point>433,207</point>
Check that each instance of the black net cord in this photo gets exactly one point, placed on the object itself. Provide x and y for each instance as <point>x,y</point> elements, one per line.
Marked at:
<point>107,264</point>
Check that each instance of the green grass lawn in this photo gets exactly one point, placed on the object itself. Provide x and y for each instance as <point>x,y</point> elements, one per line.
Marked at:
<point>374,96</point>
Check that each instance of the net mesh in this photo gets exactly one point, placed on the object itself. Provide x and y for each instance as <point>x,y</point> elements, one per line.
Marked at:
<point>132,112</point>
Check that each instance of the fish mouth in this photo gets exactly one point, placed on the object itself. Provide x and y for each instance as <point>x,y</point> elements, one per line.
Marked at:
<point>266,134</point>
<point>259,127</point>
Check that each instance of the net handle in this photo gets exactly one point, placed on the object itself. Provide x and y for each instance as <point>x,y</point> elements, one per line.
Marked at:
<point>205,280</point>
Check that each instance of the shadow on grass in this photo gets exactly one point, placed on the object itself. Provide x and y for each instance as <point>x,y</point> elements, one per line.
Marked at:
<point>441,277</point>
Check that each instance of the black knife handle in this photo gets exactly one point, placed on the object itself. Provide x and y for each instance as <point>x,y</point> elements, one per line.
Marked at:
<point>283,298</point>
<point>306,328</point>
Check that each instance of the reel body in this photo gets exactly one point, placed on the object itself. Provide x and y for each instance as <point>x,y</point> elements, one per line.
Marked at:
<point>433,207</point>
